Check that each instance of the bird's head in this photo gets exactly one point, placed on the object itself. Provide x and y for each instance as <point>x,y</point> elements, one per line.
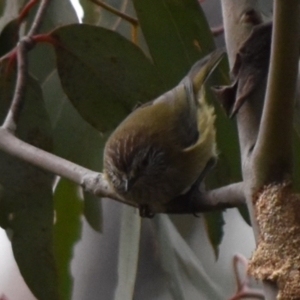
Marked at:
<point>132,164</point>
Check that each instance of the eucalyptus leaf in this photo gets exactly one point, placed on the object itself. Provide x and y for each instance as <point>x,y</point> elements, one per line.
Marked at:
<point>103,74</point>
<point>176,33</point>
<point>26,206</point>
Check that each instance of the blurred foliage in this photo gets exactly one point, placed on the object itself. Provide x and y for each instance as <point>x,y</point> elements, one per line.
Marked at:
<point>67,230</point>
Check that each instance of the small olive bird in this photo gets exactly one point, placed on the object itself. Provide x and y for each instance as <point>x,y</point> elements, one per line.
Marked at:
<point>160,150</point>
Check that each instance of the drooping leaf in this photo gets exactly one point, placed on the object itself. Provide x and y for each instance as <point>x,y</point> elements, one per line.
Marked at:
<point>26,205</point>
<point>184,270</point>
<point>128,253</point>
<point>176,33</point>
<point>103,74</point>
<point>67,230</point>
<point>214,222</point>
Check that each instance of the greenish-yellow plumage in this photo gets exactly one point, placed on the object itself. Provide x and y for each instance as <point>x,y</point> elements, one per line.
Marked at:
<point>161,148</point>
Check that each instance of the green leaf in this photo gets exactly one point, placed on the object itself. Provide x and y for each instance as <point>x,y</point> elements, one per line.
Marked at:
<point>214,222</point>
<point>128,253</point>
<point>183,268</point>
<point>176,33</point>
<point>26,205</point>
<point>67,231</point>
<point>103,74</point>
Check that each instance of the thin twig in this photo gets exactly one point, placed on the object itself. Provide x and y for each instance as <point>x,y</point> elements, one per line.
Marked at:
<point>111,9</point>
<point>24,45</point>
<point>38,18</point>
<point>11,120</point>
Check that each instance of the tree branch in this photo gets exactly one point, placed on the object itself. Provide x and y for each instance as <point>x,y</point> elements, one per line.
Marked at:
<point>198,201</point>
<point>239,19</point>
<point>89,180</point>
<point>93,182</point>
<point>273,152</point>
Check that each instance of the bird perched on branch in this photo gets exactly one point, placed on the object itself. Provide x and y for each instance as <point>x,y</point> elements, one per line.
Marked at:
<point>160,150</point>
